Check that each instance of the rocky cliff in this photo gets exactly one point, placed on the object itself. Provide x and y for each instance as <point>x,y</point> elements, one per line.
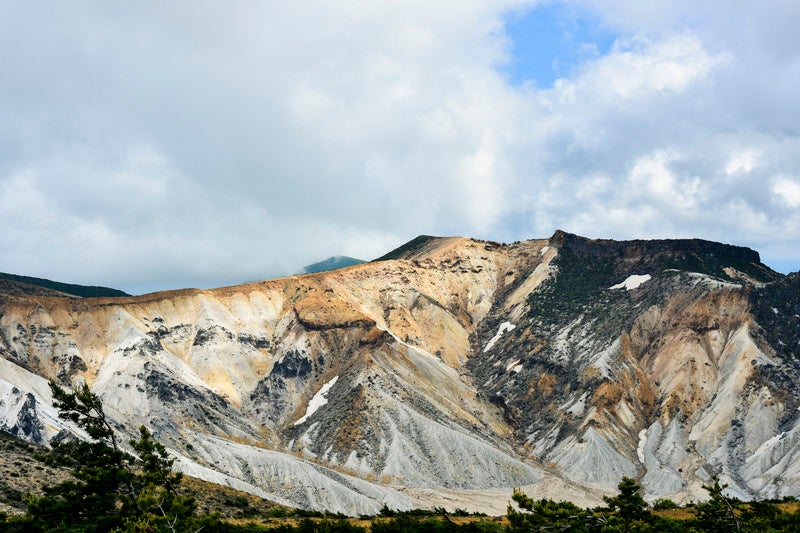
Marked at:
<point>444,374</point>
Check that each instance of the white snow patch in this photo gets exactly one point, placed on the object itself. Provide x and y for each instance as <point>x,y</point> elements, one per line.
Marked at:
<point>504,327</point>
<point>544,250</point>
<point>632,282</point>
<point>774,310</point>
<point>516,369</point>
<point>642,443</point>
<point>513,364</point>
<point>319,399</point>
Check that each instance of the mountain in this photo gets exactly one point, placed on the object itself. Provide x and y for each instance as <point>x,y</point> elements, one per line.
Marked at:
<point>29,285</point>
<point>444,374</point>
<point>332,263</point>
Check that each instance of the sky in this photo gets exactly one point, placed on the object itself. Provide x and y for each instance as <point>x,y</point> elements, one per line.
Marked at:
<point>153,145</point>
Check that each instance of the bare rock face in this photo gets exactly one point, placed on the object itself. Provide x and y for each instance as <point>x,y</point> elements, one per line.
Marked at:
<point>443,375</point>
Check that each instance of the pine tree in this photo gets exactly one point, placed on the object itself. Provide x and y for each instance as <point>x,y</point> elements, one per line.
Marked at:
<point>629,504</point>
<point>159,506</point>
<point>719,512</point>
<point>112,489</point>
<point>546,515</point>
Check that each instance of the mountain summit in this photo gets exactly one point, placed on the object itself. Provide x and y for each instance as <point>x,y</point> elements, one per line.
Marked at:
<point>332,263</point>
<point>444,374</point>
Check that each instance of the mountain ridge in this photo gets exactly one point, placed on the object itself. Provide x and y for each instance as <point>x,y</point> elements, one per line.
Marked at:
<point>82,291</point>
<point>332,263</point>
<point>445,376</point>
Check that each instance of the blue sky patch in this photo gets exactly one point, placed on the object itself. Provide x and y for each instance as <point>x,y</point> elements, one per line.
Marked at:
<point>549,40</point>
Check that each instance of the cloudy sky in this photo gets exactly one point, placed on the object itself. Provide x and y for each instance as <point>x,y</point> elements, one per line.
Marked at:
<point>150,145</point>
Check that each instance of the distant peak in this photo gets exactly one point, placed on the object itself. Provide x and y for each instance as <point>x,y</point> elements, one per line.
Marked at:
<point>332,263</point>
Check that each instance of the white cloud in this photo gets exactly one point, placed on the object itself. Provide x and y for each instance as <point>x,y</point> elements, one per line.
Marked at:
<point>21,199</point>
<point>787,191</point>
<point>203,143</point>
<point>742,162</point>
<point>657,182</point>
<point>637,68</point>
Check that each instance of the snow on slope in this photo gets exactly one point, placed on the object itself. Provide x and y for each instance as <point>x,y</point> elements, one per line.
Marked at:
<point>634,281</point>
<point>319,399</point>
<point>504,327</point>
<point>238,366</point>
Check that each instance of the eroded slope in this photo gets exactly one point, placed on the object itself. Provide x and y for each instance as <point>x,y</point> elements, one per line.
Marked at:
<point>446,374</point>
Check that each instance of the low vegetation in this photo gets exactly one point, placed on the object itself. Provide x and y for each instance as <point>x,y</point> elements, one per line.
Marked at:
<point>105,488</point>
<point>82,291</point>
<point>629,512</point>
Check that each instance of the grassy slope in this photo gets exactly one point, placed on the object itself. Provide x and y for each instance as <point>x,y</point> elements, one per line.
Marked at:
<point>76,290</point>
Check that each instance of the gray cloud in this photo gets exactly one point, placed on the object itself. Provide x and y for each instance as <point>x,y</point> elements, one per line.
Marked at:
<point>156,145</point>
